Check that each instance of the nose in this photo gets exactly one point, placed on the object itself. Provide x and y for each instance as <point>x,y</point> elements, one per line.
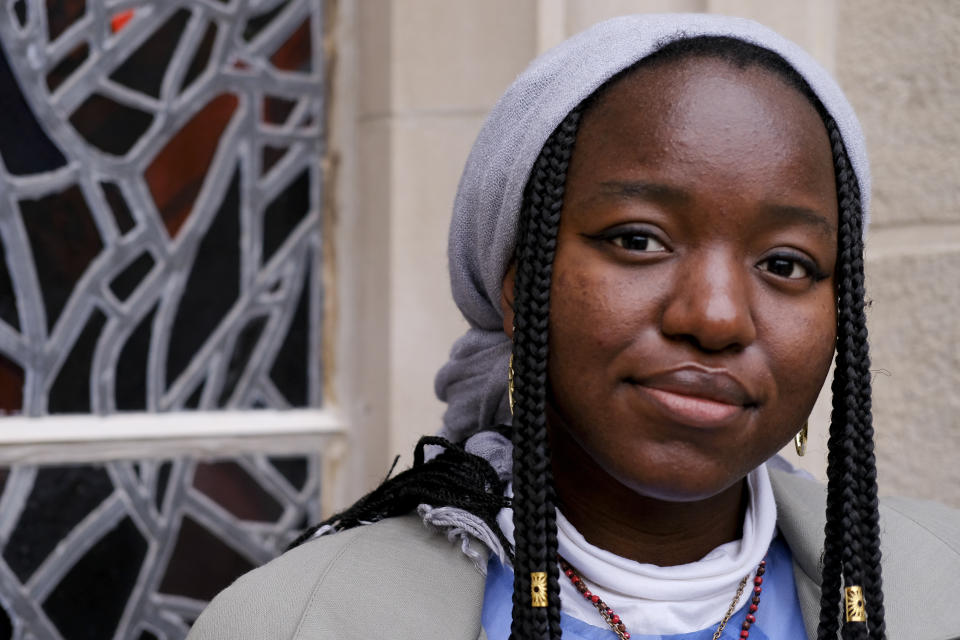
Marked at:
<point>709,305</point>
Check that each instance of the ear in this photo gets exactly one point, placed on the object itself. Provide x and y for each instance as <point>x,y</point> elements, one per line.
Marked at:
<point>506,299</point>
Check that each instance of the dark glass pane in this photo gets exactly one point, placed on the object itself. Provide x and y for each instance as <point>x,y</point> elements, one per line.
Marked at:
<point>8,301</point>
<point>118,205</point>
<point>101,581</point>
<point>61,497</point>
<point>284,213</point>
<point>213,286</point>
<point>131,381</point>
<point>110,126</point>
<point>144,70</point>
<point>177,173</point>
<point>294,54</point>
<point>71,500</point>
<point>293,469</point>
<point>6,627</point>
<point>163,478</point>
<point>64,240</point>
<point>63,13</point>
<point>289,370</point>
<point>202,564</point>
<point>193,400</point>
<point>259,22</point>
<point>70,392</point>
<point>24,145</point>
<point>271,156</point>
<point>70,63</point>
<point>242,350</point>
<point>236,491</point>
<point>11,386</point>
<point>20,9</point>
<point>277,110</point>
<point>201,58</point>
<point>3,479</point>
<point>127,280</point>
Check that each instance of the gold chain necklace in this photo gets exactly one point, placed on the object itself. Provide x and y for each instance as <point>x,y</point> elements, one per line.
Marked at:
<point>616,624</point>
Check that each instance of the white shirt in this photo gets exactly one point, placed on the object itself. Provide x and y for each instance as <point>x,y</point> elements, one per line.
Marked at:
<point>666,600</point>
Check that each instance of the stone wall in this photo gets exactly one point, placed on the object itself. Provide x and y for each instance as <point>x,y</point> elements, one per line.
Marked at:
<point>426,72</point>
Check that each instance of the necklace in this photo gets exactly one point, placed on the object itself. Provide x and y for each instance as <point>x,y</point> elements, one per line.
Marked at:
<point>615,623</point>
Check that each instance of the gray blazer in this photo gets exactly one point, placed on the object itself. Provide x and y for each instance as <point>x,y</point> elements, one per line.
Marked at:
<point>399,580</point>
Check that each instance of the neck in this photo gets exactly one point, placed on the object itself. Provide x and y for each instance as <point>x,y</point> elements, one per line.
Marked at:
<point>616,518</point>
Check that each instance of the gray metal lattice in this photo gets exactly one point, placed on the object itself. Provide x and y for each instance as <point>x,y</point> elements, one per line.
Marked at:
<point>166,615</point>
<point>271,290</point>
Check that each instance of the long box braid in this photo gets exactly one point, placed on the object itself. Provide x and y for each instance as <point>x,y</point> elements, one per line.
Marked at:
<point>534,512</point>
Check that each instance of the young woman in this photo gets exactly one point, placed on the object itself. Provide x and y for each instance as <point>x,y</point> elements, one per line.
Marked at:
<point>658,244</point>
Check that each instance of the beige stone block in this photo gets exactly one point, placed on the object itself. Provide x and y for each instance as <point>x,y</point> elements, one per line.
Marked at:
<point>365,302</point>
<point>914,324</point>
<point>581,14</point>
<point>374,44</point>
<point>897,61</point>
<point>428,157</point>
<point>456,56</point>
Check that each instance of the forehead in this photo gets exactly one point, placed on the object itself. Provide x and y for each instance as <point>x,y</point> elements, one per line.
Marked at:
<point>700,123</point>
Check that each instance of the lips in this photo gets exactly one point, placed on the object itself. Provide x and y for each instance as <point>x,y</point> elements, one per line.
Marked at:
<point>697,396</point>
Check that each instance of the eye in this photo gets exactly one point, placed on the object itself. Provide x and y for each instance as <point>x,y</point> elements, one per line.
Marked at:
<point>635,241</point>
<point>790,267</point>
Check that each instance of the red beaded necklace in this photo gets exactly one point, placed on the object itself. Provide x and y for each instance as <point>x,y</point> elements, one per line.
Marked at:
<point>615,623</point>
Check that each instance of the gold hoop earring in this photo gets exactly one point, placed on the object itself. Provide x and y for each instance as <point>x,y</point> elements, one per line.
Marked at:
<point>800,440</point>
<point>510,383</point>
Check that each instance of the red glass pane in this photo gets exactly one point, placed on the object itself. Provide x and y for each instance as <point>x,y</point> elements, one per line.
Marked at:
<point>177,173</point>
<point>294,54</point>
<point>232,488</point>
<point>63,13</point>
<point>11,386</point>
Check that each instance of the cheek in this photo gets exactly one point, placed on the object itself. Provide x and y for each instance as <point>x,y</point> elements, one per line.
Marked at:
<point>579,310</point>
<point>596,310</point>
<point>802,340</point>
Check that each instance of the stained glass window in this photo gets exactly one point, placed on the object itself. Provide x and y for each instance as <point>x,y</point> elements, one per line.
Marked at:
<point>161,250</point>
<point>140,546</point>
<point>161,228</point>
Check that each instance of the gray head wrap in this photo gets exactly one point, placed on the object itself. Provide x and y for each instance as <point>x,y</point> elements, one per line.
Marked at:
<point>483,230</point>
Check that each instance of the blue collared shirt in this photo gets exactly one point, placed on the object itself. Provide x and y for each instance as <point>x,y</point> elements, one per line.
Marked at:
<point>779,615</point>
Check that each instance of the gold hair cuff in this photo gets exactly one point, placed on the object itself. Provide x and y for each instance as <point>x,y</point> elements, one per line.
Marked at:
<point>856,611</point>
<point>510,384</point>
<point>538,589</point>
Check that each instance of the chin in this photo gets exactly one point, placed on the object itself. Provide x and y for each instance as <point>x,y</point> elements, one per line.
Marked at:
<point>679,482</point>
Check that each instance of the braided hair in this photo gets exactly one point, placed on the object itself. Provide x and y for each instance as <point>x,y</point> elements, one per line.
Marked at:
<point>851,553</point>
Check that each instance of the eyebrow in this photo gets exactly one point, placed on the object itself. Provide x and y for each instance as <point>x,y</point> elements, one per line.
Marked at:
<point>655,191</point>
<point>787,214</point>
<point>659,192</point>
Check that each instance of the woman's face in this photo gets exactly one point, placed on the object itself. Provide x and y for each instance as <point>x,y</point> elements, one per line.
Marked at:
<point>692,314</point>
